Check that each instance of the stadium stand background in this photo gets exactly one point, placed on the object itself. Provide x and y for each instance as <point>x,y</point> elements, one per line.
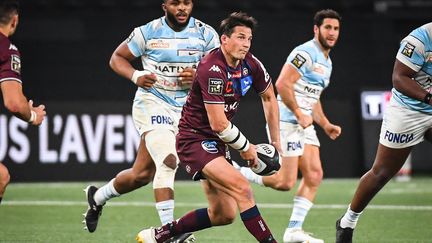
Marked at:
<point>66,46</point>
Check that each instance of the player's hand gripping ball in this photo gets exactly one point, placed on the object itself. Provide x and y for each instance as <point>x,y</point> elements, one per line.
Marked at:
<point>268,160</point>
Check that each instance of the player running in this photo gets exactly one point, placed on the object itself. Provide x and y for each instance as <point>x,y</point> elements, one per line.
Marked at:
<point>170,48</point>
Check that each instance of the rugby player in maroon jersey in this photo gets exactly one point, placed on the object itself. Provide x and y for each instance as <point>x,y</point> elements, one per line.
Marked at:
<point>205,130</point>
<point>10,78</point>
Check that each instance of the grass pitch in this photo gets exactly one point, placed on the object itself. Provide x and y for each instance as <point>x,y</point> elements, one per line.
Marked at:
<point>52,212</point>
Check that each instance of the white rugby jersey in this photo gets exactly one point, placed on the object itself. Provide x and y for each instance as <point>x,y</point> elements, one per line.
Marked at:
<point>166,53</point>
<point>315,70</point>
<point>415,51</point>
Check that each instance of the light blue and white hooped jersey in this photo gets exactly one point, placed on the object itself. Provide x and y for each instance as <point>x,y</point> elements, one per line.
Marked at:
<point>166,53</point>
<point>315,70</point>
<point>415,51</point>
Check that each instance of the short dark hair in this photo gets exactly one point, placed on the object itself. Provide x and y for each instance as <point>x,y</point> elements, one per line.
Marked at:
<point>7,9</point>
<point>237,19</point>
<point>326,13</point>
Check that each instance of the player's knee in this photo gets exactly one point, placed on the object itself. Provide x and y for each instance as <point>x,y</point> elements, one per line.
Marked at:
<point>171,161</point>
<point>315,178</point>
<point>164,177</point>
<point>382,175</point>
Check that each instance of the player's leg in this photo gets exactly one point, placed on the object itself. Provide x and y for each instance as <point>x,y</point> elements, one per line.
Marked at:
<point>140,174</point>
<point>4,179</point>
<point>228,180</point>
<point>161,146</point>
<point>222,210</point>
<point>226,189</point>
<point>310,166</point>
<point>401,129</point>
<point>387,163</point>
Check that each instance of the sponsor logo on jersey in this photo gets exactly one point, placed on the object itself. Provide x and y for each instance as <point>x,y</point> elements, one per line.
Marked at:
<point>171,68</point>
<point>398,137</point>
<point>231,107</point>
<point>131,36</point>
<point>408,50</point>
<point>293,146</point>
<point>16,63</point>
<point>319,69</point>
<point>298,61</point>
<point>267,77</point>
<point>209,146</point>
<point>188,52</point>
<point>13,47</point>
<point>215,86</point>
<point>312,90</point>
<point>245,83</point>
<point>158,44</point>
<point>161,120</point>
<point>215,68</point>
<point>245,71</point>
<point>229,89</point>
<point>236,74</point>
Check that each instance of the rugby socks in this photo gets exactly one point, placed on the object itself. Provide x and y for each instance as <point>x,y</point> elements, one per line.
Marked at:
<point>105,193</point>
<point>256,226</point>
<point>0,199</point>
<point>300,210</point>
<point>192,221</point>
<point>251,176</point>
<point>166,211</point>
<point>350,218</point>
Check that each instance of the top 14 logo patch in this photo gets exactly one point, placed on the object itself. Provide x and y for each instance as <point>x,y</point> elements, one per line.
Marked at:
<point>408,50</point>
<point>298,61</point>
<point>16,64</point>
<point>215,86</point>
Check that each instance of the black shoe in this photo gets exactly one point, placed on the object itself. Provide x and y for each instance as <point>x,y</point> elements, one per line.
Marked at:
<point>91,217</point>
<point>343,235</point>
<point>183,238</point>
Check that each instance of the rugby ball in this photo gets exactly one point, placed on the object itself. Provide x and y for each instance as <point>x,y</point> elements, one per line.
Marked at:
<point>268,160</point>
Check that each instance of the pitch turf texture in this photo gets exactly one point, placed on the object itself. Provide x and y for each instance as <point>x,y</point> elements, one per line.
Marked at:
<point>52,212</point>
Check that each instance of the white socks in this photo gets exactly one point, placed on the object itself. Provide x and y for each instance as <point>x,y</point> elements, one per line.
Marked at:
<point>350,218</point>
<point>300,210</point>
<point>166,211</point>
<point>251,176</point>
<point>105,193</point>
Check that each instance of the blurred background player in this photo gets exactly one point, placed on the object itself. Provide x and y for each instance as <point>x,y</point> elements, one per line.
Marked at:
<point>304,76</point>
<point>170,48</point>
<point>205,130</point>
<point>10,78</point>
<point>407,121</point>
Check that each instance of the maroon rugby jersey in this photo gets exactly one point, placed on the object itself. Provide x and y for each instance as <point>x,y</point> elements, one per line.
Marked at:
<point>10,61</point>
<point>217,83</point>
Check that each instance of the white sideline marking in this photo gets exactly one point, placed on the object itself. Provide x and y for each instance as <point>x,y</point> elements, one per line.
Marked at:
<point>181,204</point>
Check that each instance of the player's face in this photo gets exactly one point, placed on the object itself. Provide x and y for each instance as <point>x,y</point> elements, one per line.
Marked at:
<point>178,13</point>
<point>239,43</point>
<point>328,33</point>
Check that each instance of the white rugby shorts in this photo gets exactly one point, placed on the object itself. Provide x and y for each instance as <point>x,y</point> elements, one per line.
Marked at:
<point>402,127</point>
<point>149,112</point>
<point>293,138</point>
